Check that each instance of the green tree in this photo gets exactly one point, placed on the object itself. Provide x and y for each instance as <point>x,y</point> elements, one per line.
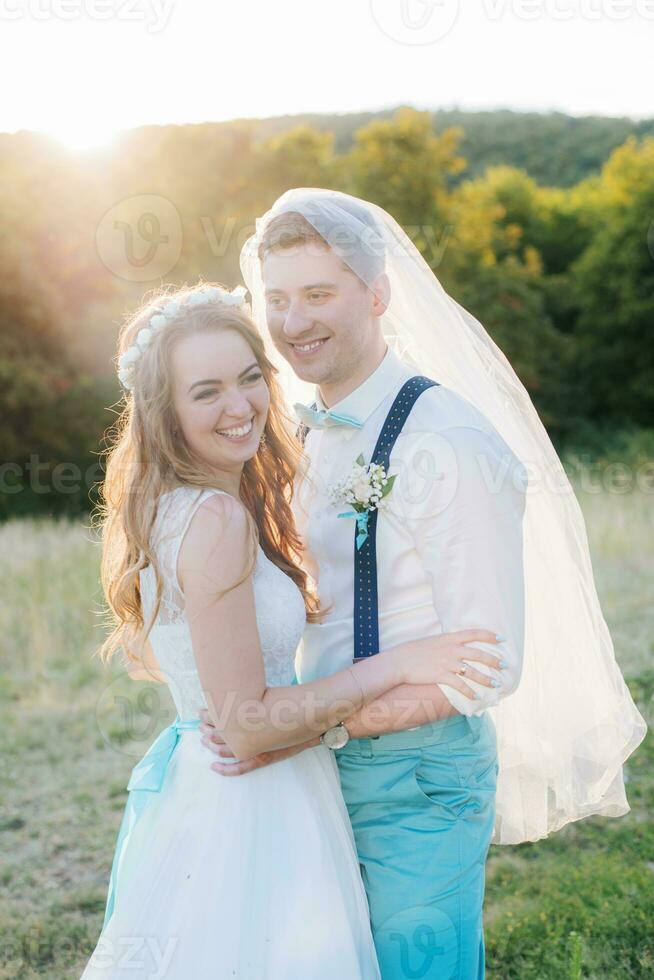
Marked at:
<point>53,416</point>
<point>301,157</point>
<point>404,167</point>
<point>615,279</point>
<point>493,266</point>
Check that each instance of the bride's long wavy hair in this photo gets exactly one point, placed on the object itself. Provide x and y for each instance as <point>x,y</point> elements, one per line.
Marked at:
<point>148,456</point>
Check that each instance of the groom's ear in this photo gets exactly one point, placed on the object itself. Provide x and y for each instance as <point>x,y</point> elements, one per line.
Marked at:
<point>381,294</point>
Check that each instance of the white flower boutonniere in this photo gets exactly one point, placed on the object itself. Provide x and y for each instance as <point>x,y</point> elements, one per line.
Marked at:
<point>365,489</point>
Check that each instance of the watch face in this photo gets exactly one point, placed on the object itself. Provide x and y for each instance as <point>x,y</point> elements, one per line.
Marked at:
<point>336,738</point>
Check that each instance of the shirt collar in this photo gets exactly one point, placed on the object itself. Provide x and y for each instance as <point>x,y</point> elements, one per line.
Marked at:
<point>361,403</point>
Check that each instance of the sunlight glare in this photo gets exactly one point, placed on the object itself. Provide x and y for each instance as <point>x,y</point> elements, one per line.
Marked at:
<point>82,134</point>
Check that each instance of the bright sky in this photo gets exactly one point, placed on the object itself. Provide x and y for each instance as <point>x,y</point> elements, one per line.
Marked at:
<point>83,69</point>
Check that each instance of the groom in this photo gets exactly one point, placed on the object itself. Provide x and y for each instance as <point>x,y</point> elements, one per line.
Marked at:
<point>418,767</point>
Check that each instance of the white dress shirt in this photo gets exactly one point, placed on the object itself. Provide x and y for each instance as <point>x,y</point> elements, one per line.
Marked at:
<point>449,540</point>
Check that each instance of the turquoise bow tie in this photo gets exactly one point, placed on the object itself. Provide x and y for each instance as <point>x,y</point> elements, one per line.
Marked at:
<point>315,418</point>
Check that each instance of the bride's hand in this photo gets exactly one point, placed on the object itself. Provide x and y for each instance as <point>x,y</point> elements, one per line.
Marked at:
<point>225,765</point>
<point>437,660</point>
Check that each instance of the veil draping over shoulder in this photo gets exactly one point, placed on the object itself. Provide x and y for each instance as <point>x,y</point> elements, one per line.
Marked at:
<point>566,731</point>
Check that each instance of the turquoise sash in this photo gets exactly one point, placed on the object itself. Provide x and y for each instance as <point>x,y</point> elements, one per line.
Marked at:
<point>147,777</point>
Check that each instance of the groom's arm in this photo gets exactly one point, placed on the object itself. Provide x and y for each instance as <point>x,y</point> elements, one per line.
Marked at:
<point>467,530</point>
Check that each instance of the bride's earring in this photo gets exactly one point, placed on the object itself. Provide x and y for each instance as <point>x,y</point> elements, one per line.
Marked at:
<point>262,441</point>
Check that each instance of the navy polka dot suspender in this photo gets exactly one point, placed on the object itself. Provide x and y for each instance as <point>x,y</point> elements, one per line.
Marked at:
<point>366,609</point>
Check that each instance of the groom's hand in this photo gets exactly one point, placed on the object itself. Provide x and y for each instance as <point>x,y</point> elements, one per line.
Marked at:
<point>213,741</point>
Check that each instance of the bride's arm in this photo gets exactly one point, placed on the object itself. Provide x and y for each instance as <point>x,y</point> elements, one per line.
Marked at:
<point>408,706</point>
<point>251,717</point>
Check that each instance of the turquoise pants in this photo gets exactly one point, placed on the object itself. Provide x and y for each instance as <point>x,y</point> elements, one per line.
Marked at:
<point>422,806</point>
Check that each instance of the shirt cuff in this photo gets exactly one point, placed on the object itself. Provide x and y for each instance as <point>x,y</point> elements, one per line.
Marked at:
<point>488,696</point>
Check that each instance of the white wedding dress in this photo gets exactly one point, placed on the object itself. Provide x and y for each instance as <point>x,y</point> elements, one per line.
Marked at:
<point>253,876</point>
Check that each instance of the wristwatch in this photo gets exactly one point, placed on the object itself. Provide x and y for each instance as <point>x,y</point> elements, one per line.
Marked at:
<point>336,737</point>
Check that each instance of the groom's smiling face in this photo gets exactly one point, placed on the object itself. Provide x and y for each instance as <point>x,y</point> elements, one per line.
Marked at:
<point>321,317</point>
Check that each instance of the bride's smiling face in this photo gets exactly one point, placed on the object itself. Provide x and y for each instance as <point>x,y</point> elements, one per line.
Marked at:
<point>220,397</point>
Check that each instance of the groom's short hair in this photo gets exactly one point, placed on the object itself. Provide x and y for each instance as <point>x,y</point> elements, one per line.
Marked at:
<point>287,230</point>
<point>362,254</point>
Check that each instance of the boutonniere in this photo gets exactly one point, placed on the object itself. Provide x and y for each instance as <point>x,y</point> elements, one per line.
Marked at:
<point>364,489</point>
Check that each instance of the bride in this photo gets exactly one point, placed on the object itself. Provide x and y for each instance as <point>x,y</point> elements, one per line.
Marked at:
<point>254,877</point>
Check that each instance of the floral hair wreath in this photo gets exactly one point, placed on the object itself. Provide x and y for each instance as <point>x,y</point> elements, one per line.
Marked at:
<point>164,316</point>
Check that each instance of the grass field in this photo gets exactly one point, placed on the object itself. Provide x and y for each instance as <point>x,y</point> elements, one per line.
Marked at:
<point>580,904</point>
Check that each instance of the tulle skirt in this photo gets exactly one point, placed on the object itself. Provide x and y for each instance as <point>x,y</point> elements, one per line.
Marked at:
<point>253,877</point>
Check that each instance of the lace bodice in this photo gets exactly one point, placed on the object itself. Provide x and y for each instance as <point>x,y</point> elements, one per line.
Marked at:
<point>279,607</point>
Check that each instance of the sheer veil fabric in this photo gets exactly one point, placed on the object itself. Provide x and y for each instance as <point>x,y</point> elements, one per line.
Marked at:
<point>566,731</point>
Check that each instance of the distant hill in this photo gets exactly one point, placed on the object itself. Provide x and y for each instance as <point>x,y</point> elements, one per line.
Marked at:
<point>556,149</point>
